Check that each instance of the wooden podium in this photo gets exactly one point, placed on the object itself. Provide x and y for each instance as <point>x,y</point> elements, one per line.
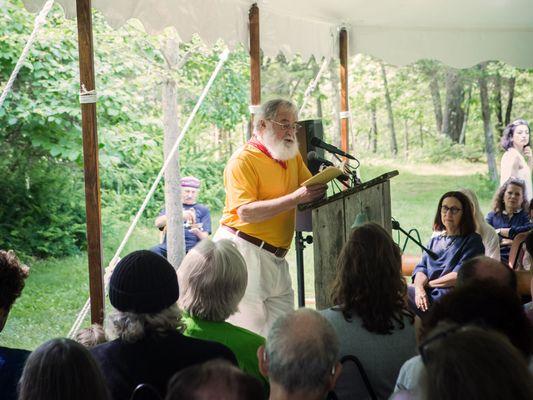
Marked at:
<point>332,221</point>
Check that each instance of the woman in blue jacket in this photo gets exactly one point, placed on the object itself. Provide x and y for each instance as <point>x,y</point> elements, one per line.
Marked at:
<point>456,242</point>
<point>509,215</point>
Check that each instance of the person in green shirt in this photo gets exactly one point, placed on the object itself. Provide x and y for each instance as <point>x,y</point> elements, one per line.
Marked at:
<point>212,280</point>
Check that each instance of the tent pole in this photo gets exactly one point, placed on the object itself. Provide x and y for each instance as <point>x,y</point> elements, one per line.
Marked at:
<point>90,161</point>
<point>343,57</point>
<point>255,61</point>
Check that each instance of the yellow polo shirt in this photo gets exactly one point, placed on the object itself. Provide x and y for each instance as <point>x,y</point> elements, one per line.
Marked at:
<point>252,176</point>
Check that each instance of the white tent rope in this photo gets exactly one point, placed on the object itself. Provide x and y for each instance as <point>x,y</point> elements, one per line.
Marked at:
<point>81,316</point>
<point>313,84</point>
<point>38,23</point>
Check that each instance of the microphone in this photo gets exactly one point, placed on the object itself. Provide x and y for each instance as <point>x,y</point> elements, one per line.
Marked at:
<point>329,147</point>
<point>312,157</point>
<point>396,226</point>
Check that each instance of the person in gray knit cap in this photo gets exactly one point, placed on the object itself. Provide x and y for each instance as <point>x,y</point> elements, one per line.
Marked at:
<point>149,347</point>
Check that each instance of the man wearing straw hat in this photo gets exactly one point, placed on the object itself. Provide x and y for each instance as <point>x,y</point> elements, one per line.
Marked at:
<point>196,217</point>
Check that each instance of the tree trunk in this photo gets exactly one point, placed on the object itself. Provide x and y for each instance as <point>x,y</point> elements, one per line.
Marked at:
<point>431,70</point>
<point>374,128</point>
<point>173,206</point>
<point>453,111</point>
<point>509,109</point>
<point>462,137</point>
<point>485,112</point>
<point>388,102</point>
<point>421,132</point>
<point>318,104</point>
<point>435,97</point>
<point>498,102</point>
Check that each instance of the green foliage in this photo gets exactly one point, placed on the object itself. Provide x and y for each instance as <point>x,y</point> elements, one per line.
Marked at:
<point>40,209</point>
<point>210,172</point>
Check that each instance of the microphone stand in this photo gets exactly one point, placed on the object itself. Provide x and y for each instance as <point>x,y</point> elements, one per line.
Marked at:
<point>396,226</point>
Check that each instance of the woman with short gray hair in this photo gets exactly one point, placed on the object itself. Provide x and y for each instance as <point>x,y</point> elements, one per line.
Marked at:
<point>212,280</point>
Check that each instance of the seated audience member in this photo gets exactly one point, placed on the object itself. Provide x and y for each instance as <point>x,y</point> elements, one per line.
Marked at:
<point>211,380</point>
<point>91,336</point>
<point>509,215</point>
<point>149,347</point>
<point>488,234</point>
<point>483,267</point>
<point>457,242</point>
<point>300,356</point>
<point>12,276</point>
<point>212,280</point>
<point>62,369</point>
<point>469,363</point>
<point>486,303</point>
<point>370,317</point>
<point>196,218</point>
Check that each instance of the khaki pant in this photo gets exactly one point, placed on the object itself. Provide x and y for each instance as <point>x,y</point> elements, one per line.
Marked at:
<point>269,292</point>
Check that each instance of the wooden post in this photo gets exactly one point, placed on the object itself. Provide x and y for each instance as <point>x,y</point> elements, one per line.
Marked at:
<point>90,160</point>
<point>255,61</point>
<point>343,57</point>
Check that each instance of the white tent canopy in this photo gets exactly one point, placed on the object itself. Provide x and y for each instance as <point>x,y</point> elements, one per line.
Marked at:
<point>460,33</point>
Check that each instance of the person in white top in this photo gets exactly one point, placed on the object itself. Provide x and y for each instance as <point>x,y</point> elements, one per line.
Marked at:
<point>488,234</point>
<point>517,160</point>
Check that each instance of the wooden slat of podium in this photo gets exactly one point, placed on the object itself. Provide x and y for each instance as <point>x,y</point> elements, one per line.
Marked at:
<point>332,222</point>
<point>523,278</point>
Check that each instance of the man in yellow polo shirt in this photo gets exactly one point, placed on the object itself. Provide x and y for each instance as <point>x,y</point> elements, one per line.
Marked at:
<point>262,181</point>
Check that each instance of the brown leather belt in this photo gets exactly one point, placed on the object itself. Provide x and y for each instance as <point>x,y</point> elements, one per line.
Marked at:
<point>277,251</point>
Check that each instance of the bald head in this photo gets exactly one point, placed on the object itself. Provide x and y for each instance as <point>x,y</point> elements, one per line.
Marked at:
<point>302,350</point>
<point>482,268</point>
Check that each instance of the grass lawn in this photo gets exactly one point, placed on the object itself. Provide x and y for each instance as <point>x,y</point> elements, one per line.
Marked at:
<point>57,288</point>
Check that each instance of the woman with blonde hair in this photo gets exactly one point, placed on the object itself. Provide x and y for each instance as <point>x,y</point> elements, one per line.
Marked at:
<point>488,234</point>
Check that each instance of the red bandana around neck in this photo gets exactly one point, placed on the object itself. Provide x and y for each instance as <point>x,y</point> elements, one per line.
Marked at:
<point>261,147</point>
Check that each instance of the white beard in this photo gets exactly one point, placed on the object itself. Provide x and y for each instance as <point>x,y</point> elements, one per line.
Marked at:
<point>279,149</point>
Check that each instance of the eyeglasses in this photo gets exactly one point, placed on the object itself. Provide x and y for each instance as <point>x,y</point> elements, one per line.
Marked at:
<point>453,210</point>
<point>425,347</point>
<point>287,127</point>
<point>426,344</point>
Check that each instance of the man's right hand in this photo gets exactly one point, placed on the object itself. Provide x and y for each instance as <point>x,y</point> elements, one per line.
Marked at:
<point>306,194</point>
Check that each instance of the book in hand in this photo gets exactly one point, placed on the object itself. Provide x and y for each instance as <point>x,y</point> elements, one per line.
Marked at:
<point>324,176</point>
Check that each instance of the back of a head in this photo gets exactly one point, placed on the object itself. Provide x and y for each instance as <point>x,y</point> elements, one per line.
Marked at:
<point>482,268</point>
<point>12,276</point>
<point>302,350</point>
<point>212,280</point>
<point>144,290</point>
<point>369,279</point>
<point>489,304</point>
<point>214,380</point>
<point>62,369</point>
<point>91,336</point>
<point>471,363</point>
